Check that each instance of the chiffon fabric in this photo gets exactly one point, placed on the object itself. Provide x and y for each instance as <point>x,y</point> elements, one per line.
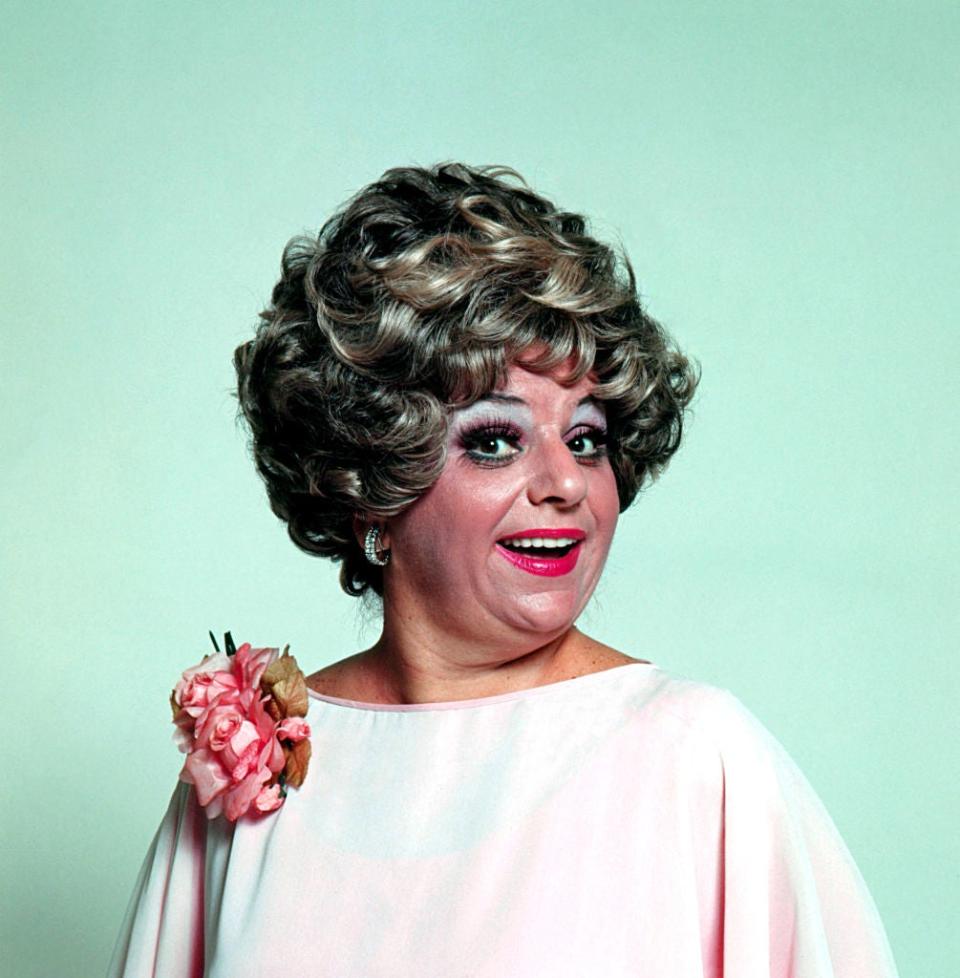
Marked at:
<point>623,823</point>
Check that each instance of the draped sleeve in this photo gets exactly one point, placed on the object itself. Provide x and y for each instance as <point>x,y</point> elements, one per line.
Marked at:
<point>163,930</point>
<point>794,904</point>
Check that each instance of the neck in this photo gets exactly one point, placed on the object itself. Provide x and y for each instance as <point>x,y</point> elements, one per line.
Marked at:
<point>411,667</point>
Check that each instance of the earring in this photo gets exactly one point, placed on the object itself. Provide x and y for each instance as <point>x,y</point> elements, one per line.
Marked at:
<point>370,547</point>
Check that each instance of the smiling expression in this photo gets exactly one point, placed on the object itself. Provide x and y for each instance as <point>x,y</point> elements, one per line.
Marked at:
<point>530,456</point>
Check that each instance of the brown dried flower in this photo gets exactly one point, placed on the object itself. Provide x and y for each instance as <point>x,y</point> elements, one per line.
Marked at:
<point>284,683</point>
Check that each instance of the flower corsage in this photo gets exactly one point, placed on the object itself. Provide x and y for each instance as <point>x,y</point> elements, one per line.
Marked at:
<point>239,719</point>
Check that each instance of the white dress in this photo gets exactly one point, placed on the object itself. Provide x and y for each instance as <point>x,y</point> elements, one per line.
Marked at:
<point>622,823</point>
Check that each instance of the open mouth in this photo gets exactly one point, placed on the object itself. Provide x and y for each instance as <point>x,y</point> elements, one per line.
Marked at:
<point>541,560</point>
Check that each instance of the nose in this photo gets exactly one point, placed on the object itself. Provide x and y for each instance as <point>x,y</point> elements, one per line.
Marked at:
<point>555,475</point>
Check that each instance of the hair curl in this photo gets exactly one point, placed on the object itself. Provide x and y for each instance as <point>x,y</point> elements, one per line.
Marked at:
<point>414,299</point>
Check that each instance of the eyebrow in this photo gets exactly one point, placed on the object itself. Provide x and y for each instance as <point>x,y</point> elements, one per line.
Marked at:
<point>513,399</point>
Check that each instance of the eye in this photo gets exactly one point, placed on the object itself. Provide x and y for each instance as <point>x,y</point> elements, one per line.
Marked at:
<point>597,437</point>
<point>482,441</point>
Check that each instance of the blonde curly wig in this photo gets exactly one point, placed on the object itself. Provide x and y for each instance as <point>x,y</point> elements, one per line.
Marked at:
<point>414,299</point>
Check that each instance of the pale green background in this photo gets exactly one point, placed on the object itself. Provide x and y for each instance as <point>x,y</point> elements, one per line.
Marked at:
<point>784,178</point>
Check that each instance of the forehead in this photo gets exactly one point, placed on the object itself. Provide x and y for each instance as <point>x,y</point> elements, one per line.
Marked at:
<point>526,391</point>
<point>554,384</point>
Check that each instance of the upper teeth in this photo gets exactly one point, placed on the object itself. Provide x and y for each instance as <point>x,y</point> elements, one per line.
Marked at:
<point>540,541</point>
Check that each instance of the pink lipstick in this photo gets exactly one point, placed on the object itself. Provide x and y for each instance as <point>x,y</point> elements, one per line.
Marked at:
<point>540,563</point>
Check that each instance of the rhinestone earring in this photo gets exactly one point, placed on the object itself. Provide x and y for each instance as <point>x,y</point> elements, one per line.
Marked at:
<point>370,547</point>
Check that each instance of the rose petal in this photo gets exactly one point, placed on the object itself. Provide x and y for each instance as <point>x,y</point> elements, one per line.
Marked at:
<point>215,662</point>
<point>272,756</point>
<point>206,774</point>
<point>238,799</point>
<point>249,664</point>
<point>215,807</point>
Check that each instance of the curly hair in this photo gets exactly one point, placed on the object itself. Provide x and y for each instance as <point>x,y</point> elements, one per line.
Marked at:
<point>414,299</point>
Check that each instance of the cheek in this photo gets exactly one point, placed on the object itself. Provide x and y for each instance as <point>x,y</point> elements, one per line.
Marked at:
<point>460,504</point>
<point>606,499</point>
<point>466,487</point>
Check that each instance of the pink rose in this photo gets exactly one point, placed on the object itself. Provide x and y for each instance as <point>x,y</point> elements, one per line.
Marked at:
<point>224,727</point>
<point>200,685</point>
<point>232,741</point>
<point>229,703</point>
<point>293,728</point>
<point>268,799</point>
<point>235,752</point>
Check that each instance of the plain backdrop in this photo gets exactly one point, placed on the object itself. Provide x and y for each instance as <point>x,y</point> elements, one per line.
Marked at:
<point>784,178</point>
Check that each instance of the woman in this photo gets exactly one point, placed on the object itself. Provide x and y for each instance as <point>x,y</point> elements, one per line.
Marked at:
<point>455,393</point>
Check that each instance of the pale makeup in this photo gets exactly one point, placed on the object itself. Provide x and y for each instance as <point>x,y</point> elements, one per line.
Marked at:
<point>533,455</point>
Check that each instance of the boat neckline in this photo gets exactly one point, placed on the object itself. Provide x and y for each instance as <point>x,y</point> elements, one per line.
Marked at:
<point>560,686</point>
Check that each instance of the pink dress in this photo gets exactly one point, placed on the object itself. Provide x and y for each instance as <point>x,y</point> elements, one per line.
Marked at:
<point>623,823</point>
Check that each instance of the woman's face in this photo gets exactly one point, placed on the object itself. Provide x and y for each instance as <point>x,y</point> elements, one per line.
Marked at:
<point>531,457</point>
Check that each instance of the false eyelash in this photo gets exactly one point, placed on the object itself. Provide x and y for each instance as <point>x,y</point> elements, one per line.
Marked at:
<point>492,427</point>
<point>497,427</point>
<point>488,430</point>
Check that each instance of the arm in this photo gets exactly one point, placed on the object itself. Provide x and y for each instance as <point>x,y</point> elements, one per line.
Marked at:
<point>794,902</point>
<point>163,929</point>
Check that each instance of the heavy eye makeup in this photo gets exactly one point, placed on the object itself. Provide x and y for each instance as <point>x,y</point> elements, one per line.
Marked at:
<point>483,440</point>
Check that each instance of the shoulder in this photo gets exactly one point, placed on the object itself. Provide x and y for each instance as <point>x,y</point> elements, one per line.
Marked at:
<point>696,705</point>
<point>708,720</point>
<point>705,745</point>
<point>341,678</point>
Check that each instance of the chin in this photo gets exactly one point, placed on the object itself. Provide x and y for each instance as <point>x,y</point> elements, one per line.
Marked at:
<point>548,612</point>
